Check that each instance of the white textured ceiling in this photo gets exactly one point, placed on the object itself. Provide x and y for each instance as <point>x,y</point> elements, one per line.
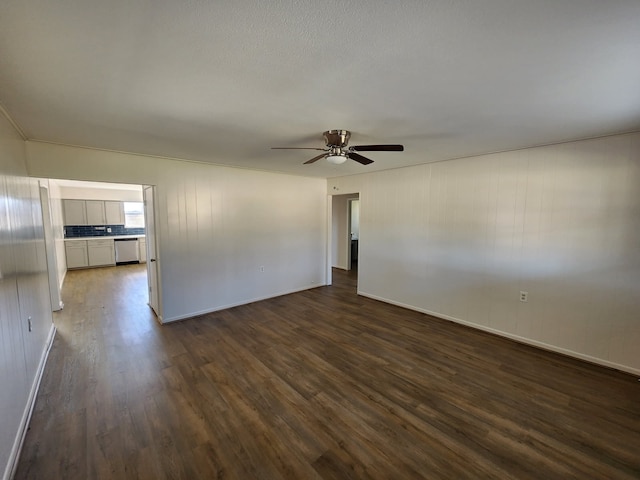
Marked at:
<point>222,81</point>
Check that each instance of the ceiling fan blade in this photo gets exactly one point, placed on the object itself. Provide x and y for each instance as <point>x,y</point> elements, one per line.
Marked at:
<point>359,158</point>
<point>315,159</point>
<point>299,148</point>
<point>378,148</point>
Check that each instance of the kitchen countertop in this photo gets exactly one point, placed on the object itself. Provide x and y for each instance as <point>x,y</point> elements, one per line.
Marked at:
<point>104,237</point>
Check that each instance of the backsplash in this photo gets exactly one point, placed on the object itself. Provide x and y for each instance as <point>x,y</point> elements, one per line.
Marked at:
<point>75,231</point>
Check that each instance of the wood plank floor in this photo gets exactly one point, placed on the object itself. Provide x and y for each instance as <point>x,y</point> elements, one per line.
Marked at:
<point>321,384</point>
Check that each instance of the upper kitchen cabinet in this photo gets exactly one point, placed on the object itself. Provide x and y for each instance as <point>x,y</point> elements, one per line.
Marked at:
<point>114,212</point>
<point>75,212</point>
<point>95,212</point>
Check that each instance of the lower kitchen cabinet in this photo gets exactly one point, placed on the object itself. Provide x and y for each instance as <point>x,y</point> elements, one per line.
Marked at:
<point>89,253</point>
<point>77,255</point>
<point>101,252</point>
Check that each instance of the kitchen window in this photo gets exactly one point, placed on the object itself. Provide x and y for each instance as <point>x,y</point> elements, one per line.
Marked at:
<point>133,215</point>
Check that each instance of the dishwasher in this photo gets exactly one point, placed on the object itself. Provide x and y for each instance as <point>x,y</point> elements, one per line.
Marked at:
<point>126,250</point>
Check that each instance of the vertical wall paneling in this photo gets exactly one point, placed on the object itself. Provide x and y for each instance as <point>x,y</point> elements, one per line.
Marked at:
<point>13,372</point>
<point>216,226</point>
<point>231,236</point>
<point>26,328</point>
<point>461,239</point>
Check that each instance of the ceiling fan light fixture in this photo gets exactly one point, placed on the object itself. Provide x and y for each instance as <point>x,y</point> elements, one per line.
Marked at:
<point>337,159</point>
<point>337,151</point>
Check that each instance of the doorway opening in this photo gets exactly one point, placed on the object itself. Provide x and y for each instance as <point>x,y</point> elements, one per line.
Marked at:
<point>345,233</point>
<point>354,232</point>
<point>92,222</point>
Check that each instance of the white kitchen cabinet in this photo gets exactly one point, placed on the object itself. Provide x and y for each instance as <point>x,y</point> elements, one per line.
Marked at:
<point>77,255</point>
<point>75,212</point>
<point>95,212</point>
<point>114,212</point>
<point>142,249</point>
<point>101,252</point>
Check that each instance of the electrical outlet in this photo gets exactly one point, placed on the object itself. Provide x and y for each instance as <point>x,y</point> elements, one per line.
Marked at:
<point>524,296</point>
<point>262,268</point>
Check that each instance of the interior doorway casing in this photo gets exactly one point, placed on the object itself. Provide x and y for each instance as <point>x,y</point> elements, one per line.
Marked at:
<point>50,248</point>
<point>353,212</point>
<point>153,257</point>
<point>339,232</point>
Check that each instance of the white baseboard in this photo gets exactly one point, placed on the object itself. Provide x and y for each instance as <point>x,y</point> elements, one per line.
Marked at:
<point>517,338</point>
<point>12,464</point>
<point>244,302</point>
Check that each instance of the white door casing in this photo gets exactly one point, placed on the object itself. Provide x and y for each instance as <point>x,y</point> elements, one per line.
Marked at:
<point>50,249</point>
<point>152,251</point>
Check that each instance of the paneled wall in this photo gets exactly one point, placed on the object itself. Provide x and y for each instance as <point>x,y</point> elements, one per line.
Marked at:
<point>226,236</point>
<point>220,227</point>
<point>461,239</point>
<point>24,294</point>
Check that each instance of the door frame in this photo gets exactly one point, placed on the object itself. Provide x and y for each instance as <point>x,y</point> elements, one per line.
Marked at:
<point>329,249</point>
<point>350,230</point>
<point>50,247</point>
<point>153,253</point>
<point>347,241</point>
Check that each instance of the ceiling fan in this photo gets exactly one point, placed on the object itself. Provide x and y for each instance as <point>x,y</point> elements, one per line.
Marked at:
<point>337,151</point>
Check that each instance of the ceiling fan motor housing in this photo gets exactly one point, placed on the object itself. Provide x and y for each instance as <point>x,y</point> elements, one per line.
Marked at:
<point>337,138</point>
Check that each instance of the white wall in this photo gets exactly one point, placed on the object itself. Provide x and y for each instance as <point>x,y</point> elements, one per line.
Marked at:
<point>216,226</point>
<point>460,239</point>
<point>24,293</point>
<point>88,193</point>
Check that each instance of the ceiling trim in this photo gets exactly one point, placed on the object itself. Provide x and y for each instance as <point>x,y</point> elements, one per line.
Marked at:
<point>496,152</point>
<point>175,159</point>
<point>13,123</point>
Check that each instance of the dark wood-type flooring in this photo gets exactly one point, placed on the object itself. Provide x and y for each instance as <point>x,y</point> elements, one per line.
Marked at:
<point>321,384</point>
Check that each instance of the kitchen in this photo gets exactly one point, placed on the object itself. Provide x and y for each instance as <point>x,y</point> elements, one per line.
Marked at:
<point>94,225</point>
<point>103,224</point>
